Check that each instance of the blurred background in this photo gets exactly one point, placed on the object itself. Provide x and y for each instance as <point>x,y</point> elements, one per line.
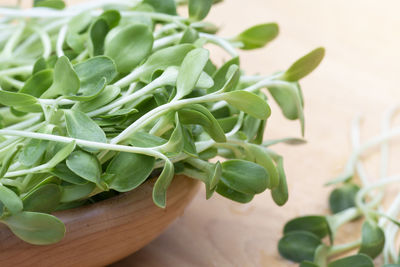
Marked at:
<point>358,75</point>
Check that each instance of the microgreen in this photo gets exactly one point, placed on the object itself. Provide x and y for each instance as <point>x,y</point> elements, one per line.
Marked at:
<point>351,200</point>
<point>102,97</point>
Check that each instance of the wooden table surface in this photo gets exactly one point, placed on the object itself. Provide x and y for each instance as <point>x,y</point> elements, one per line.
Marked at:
<point>358,75</point>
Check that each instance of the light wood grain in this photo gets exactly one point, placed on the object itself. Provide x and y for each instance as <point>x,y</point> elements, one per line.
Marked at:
<point>103,232</point>
<point>359,74</point>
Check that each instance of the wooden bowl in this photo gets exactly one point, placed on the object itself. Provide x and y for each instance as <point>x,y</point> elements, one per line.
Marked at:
<point>104,232</point>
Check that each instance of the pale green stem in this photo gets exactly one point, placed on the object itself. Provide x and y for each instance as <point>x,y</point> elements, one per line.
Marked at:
<point>167,77</point>
<point>257,86</point>
<point>60,102</point>
<point>159,111</point>
<point>164,29</point>
<point>81,142</point>
<point>82,55</point>
<point>361,194</point>
<point>16,71</point>
<point>220,42</point>
<point>355,138</point>
<point>13,41</point>
<point>166,41</point>
<point>46,42</point>
<point>349,169</point>
<point>34,37</point>
<point>11,81</point>
<point>339,249</point>
<point>60,40</point>
<point>23,124</point>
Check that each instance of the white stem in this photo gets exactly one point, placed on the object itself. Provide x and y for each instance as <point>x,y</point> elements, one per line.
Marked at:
<point>169,40</point>
<point>81,142</point>
<point>160,110</point>
<point>17,84</point>
<point>60,40</point>
<point>34,37</point>
<point>13,41</point>
<point>260,84</point>
<point>24,124</point>
<point>160,81</point>
<point>220,42</point>
<point>355,138</point>
<point>61,102</point>
<point>14,71</point>
<point>46,42</point>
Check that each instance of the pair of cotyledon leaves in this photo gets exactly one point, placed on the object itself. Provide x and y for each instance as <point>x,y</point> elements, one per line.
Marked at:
<point>303,235</point>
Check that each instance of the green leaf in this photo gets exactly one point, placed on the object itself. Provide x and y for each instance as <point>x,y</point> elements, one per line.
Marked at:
<point>10,200</point>
<point>106,96</point>
<point>129,46</point>
<point>130,170</point>
<point>189,146</point>
<point>298,246</point>
<point>65,81</point>
<point>39,65</point>
<point>343,197</point>
<point>112,17</point>
<point>80,126</point>
<point>232,194</point>
<point>162,59</point>
<point>8,159</point>
<point>98,32</point>
<point>19,101</point>
<point>74,192</point>
<point>144,139</point>
<point>198,114</point>
<point>175,143</point>
<point>287,97</point>
<point>289,141</point>
<point>232,79</point>
<point>55,4</point>
<point>280,193</point>
<point>38,83</point>
<point>198,9</point>
<point>372,239</point>
<point>304,65</point>
<point>318,225</point>
<point>308,264</point>
<point>258,36</point>
<point>36,228</point>
<point>359,260</point>
<point>221,74</point>
<point>162,184</point>
<point>249,103</point>
<point>43,199</point>
<point>244,176</point>
<point>79,23</point>
<point>264,159</point>
<point>64,173</point>
<point>190,70</point>
<point>250,127</point>
<point>85,165</point>
<point>34,149</point>
<point>163,6</point>
<point>189,36</point>
<point>94,74</point>
<point>62,154</point>
<point>214,178</point>
<point>289,100</point>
